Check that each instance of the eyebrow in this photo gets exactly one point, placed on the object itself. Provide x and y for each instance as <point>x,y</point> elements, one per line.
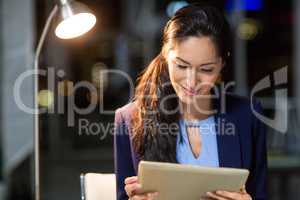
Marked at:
<point>186,62</point>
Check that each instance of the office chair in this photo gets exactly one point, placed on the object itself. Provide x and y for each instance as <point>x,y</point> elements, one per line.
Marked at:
<point>95,186</point>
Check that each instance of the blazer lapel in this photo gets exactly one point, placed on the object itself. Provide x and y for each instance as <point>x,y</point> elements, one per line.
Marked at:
<point>228,139</point>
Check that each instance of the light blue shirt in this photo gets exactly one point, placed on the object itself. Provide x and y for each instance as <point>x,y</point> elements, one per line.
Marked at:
<point>209,150</point>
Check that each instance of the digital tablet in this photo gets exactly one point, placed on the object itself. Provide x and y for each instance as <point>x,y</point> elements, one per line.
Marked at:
<point>188,182</point>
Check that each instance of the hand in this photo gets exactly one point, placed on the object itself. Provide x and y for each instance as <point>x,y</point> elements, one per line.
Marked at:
<point>133,190</point>
<point>225,195</point>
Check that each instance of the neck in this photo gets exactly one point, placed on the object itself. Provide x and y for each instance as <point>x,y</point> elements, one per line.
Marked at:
<point>196,110</point>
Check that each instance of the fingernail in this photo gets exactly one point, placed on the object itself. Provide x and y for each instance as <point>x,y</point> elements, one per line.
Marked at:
<point>155,193</point>
<point>208,193</point>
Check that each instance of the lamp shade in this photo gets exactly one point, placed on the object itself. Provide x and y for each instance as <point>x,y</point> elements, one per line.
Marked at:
<point>75,20</point>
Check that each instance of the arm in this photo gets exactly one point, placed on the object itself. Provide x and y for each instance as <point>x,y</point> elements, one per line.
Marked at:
<point>122,155</point>
<point>257,182</point>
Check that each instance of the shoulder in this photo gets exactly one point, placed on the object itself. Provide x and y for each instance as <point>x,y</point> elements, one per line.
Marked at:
<point>246,113</point>
<point>125,112</point>
<point>243,111</point>
<point>240,104</point>
<point>127,109</point>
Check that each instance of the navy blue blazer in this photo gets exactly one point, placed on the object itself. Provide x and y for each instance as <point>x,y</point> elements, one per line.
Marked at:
<point>245,148</point>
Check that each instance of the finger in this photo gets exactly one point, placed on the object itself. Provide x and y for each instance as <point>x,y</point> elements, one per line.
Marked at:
<point>139,197</point>
<point>206,198</point>
<point>132,189</point>
<point>230,195</point>
<point>215,196</point>
<point>243,189</point>
<point>244,192</point>
<point>247,197</point>
<point>131,179</point>
<point>147,196</point>
<point>151,196</point>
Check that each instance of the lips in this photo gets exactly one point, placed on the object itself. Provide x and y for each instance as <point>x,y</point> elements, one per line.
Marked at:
<point>189,92</point>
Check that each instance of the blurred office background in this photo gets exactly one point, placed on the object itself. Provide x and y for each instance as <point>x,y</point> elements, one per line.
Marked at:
<point>126,37</point>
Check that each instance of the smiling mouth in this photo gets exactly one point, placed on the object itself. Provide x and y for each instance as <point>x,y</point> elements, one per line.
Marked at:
<point>189,92</point>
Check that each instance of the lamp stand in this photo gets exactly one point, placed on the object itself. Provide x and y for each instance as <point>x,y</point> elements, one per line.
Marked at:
<point>36,103</point>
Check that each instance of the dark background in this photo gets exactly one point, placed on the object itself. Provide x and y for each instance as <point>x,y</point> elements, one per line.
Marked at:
<point>126,37</point>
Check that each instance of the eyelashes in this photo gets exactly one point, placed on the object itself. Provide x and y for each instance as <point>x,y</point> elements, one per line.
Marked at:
<point>207,70</point>
<point>182,67</point>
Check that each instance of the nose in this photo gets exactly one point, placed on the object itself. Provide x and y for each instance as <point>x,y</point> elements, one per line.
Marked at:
<point>191,79</point>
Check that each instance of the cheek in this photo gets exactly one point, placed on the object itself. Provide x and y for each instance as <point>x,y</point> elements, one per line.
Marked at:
<point>208,81</point>
<point>175,74</point>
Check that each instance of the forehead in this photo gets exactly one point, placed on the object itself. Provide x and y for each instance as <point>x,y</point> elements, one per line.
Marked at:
<point>195,50</point>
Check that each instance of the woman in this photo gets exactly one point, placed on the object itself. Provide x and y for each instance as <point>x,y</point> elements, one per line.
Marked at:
<point>179,115</point>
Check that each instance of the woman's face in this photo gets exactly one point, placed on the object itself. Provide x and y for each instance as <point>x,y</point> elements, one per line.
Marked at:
<point>194,66</point>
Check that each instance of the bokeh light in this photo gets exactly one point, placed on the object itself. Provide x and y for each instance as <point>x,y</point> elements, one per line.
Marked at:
<point>248,29</point>
<point>45,98</point>
<point>174,6</point>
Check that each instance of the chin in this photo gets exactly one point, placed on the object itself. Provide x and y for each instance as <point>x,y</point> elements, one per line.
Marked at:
<point>186,99</point>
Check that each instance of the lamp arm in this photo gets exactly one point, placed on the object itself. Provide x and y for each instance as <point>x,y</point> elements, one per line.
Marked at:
<point>63,2</point>
<point>36,106</point>
<point>43,36</point>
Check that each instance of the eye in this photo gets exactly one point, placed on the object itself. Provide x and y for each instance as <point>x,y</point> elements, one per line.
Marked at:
<point>207,70</point>
<point>181,66</point>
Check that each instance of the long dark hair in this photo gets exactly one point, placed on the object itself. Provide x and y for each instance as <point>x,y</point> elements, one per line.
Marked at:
<point>151,139</point>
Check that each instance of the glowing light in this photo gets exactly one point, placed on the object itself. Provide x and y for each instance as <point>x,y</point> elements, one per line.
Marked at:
<point>247,5</point>
<point>75,26</point>
<point>174,6</point>
<point>45,98</point>
<point>248,29</point>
